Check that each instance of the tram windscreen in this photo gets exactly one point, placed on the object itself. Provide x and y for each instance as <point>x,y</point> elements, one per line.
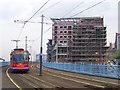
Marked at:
<point>23,57</point>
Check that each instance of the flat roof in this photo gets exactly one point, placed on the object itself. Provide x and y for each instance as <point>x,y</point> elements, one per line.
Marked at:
<point>75,18</point>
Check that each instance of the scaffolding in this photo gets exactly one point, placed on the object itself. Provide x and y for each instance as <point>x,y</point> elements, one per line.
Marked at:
<point>78,39</point>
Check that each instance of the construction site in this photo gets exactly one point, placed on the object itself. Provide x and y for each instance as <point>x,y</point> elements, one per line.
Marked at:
<point>78,40</point>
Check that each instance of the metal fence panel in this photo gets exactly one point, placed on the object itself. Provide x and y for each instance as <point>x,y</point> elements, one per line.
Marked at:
<point>92,69</point>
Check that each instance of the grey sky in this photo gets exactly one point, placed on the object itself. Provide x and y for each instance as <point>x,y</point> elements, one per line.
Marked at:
<point>11,10</point>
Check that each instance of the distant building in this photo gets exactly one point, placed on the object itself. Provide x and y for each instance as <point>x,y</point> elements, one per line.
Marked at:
<point>111,46</point>
<point>78,39</point>
<point>117,41</point>
<point>44,57</point>
<point>119,17</point>
<point>49,50</point>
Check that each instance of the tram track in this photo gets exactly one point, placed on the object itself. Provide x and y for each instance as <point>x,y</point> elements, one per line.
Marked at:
<point>90,81</point>
<point>30,80</point>
<point>57,80</point>
<point>10,78</point>
<point>87,81</point>
<point>37,79</point>
<point>36,83</point>
<point>33,80</point>
<point>50,80</point>
<point>60,82</point>
<point>20,82</point>
<point>65,78</point>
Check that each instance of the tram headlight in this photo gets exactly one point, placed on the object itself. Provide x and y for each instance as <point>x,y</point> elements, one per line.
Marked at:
<point>14,64</point>
<point>26,64</point>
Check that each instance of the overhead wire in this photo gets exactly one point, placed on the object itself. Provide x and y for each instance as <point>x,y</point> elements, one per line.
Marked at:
<point>43,33</point>
<point>88,8</point>
<point>74,8</point>
<point>21,31</point>
<point>39,13</point>
<point>46,30</point>
<point>69,12</point>
<point>47,18</point>
<point>51,6</point>
<point>84,9</point>
<point>77,13</point>
<point>32,17</point>
<point>38,10</point>
<point>63,16</point>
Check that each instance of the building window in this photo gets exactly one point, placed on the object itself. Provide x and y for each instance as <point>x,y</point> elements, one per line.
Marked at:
<point>55,32</point>
<point>65,41</point>
<point>55,42</point>
<point>61,36</point>
<point>61,26</point>
<point>65,31</point>
<point>69,27</point>
<point>61,31</point>
<point>69,32</point>
<point>55,27</point>
<point>65,36</point>
<point>61,41</point>
<point>69,36</point>
<point>65,26</point>
<point>55,36</point>
<point>81,21</point>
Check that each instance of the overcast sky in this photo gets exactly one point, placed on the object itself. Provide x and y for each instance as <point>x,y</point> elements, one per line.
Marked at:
<point>11,10</point>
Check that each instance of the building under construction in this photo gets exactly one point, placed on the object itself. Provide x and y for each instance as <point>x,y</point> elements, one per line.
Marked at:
<point>49,50</point>
<point>78,39</point>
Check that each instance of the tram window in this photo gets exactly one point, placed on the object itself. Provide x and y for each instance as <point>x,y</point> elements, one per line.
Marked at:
<point>25,56</point>
<point>18,57</point>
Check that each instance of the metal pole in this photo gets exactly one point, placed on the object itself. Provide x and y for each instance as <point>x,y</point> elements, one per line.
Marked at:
<point>40,56</point>
<point>67,54</point>
<point>26,43</point>
<point>57,52</point>
<point>16,44</point>
<point>31,54</point>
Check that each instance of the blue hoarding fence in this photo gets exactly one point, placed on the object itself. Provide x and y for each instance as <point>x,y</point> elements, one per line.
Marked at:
<point>4,63</point>
<point>111,71</point>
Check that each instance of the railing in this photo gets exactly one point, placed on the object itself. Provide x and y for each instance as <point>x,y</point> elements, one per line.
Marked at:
<point>111,71</point>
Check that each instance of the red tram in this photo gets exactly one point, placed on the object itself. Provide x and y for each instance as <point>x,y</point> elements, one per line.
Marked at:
<point>19,60</point>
